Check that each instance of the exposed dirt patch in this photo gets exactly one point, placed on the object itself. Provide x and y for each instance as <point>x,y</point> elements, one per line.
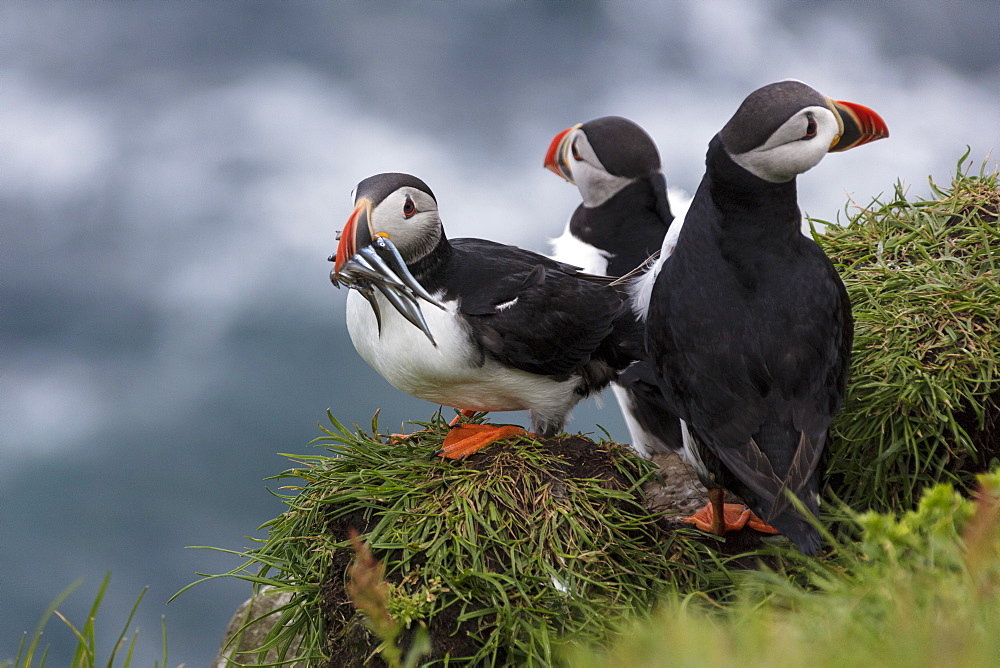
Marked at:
<point>986,438</point>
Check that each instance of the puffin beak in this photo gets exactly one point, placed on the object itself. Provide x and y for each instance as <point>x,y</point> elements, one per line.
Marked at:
<point>859,125</point>
<point>557,157</point>
<point>357,233</point>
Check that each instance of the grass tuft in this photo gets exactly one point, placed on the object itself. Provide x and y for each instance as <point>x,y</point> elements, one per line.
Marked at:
<point>502,559</point>
<point>923,401</point>
<point>920,589</point>
<point>85,653</point>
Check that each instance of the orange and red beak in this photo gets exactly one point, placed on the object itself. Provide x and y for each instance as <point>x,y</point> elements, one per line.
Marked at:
<point>557,157</point>
<point>356,234</point>
<point>859,125</point>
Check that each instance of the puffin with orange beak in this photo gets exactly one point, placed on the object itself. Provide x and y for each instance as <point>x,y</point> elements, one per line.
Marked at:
<point>626,214</point>
<point>372,262</point>
<point>626,208</point>
<point>514,330</point>
<point>749,327</point>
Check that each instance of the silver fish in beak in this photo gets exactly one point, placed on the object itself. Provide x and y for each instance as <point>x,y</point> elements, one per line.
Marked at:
<point>379,266</point>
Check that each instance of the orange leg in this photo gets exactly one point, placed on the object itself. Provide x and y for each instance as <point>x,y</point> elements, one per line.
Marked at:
<point>464,439</point>
<point>467,413</point>
<point>462,412</point>
<point>721,518</point>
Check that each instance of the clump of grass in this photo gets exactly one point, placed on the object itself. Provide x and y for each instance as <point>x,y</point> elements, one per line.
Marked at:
<point>923,402</point>
<point>918,589</point>
<point>85,655</point>
<point>501,558</point>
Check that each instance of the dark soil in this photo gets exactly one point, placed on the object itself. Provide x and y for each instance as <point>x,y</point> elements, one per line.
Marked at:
<point>985,438</point>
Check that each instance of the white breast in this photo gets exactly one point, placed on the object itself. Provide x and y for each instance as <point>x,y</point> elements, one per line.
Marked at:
<point>452,373</point>
<point>567,248</point>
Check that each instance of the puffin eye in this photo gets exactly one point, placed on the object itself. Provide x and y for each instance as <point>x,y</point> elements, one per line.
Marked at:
<point>575,152</point>
<point>810,127</point>
<point>409,208</point>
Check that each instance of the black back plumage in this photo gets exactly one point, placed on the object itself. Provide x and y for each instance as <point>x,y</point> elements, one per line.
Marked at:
<point>533,313</point>
<point>750,334</point>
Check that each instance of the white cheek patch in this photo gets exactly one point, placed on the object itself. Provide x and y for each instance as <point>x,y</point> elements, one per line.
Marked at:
<point>413,236</point>
<point>785,154</point>
<point>596,185</point>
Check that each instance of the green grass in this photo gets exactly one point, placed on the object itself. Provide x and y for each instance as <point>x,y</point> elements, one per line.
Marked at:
<point>475,549</point>
<point>921,589</point>
<point>511,549</point>
<point>31,653</point>
<point>924,393</point>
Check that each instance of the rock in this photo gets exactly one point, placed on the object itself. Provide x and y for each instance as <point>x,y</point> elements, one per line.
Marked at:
<point>681,492</point>
<point>266,602</point>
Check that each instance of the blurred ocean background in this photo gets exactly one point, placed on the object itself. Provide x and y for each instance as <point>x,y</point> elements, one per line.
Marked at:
<point>172,175</point>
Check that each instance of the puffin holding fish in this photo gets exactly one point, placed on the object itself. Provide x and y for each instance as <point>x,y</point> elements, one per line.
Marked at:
<point>509,329</point>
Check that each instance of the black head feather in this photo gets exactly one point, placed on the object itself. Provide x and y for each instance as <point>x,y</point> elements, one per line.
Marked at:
<point>764,111</point>
<point>623,147</point>
<point>377,188</point>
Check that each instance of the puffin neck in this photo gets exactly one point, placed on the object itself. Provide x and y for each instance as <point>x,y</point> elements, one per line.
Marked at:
<point>429,263</point>
<point>637,198</point>
<point>641,191</point>
<point>749,204</point>
<point>629,226</point>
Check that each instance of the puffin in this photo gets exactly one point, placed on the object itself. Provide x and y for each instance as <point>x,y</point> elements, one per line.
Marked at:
<point>515,330</point>
<point>749,329</point>
<point>627,208</point>
<point>625,217</point>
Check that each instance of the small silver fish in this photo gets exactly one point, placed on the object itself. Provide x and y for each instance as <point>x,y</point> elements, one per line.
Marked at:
<point>388,252</point>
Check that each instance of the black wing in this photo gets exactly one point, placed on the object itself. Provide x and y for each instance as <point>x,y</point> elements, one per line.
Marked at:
<point>536,314</point>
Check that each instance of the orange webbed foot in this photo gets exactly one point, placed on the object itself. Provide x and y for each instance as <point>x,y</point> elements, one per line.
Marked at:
<point>467,413</point>
<point>760,525</point>
<point>465,439</point>
<point>735,516</point>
